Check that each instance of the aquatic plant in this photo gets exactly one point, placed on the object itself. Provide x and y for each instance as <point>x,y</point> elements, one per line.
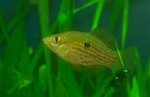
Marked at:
<point>27,71</point>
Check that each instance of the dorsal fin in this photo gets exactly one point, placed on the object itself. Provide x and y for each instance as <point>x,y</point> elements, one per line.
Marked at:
<point>106,37</point>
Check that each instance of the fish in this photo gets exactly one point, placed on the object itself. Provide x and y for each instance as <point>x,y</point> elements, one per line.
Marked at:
<point>94,49</point>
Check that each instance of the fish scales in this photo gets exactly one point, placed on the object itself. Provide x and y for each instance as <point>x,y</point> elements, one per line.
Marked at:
<point>93,55</point>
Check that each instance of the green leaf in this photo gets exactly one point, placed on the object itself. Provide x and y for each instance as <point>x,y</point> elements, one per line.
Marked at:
<point>115,14</point>
<point>24,65</point>
<point>136,89</point>
<point>125,22</point>
<point>90,3</point>
<point>69,80</point>
<point>110,92</point>
<point>98,13</point>
<point>42,79</point>
<point>60,88</point>
<point>43,8</point>
<point>148,68</point>
<point>103,89</point>
<point>140,76</point>
<point>65,16</point>
<point>15,45</point>
<point>36,57</point>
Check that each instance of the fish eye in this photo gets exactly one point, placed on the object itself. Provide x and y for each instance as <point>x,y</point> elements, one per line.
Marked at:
<point>56,39</point>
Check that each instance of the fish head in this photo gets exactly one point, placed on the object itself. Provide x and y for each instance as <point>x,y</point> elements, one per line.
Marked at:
<point>57,43</point>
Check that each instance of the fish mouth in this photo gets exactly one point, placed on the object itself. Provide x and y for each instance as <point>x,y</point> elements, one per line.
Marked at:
<point>46,40</point>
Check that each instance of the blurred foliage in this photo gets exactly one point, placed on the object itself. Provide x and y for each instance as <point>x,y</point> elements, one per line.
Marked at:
<point>22,74</point>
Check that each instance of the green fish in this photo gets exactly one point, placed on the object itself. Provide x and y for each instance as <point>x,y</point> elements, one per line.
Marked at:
<point>93,49</point>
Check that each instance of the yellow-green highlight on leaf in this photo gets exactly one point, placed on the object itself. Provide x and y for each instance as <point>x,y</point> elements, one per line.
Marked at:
<point>148,68</point>
<point>65,16</point>
<point>90,3</point>
<point>43,7</point>
<point>129,90</point>
<point>119,55</point>
<point>125,22</point>
<point>43,78</point>
<point>98,13</point>
<point>135,88</point>
<point>30,50</point>
<point>104,88</point>
<point>111,90</point>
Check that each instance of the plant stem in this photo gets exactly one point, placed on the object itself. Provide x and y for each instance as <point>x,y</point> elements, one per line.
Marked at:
<point>45,24</point>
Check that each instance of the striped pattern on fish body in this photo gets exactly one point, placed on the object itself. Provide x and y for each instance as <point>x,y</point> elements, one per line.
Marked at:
<point>82,48</point>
